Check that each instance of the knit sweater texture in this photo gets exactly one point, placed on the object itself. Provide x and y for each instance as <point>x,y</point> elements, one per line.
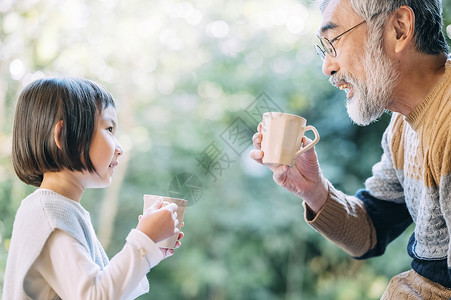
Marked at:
<point>37,217</point>
<point>411,183</point>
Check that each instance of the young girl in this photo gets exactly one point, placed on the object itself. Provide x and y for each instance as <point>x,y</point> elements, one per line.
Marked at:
<point>64,142</point>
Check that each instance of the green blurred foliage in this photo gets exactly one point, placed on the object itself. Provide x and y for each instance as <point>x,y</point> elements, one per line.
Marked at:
<point>183,73</point>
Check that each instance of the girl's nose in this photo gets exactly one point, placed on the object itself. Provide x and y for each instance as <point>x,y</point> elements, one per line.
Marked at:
<point>119,150</point>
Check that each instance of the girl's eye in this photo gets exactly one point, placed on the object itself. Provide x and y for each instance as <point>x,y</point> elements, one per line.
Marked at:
<point>110,129</point>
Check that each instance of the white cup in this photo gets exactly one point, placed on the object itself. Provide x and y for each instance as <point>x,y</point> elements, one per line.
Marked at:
<point>282,138</point>
<point>151,199</point>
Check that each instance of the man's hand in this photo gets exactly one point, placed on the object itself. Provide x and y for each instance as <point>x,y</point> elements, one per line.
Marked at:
<point>304,178</point>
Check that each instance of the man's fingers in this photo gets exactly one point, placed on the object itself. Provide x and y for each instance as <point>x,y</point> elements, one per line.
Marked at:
<point>257,140</point>
<point>280,173</point>
<point>256,155</point>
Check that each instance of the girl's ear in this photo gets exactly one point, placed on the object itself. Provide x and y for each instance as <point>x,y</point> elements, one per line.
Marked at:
<point>57,133</point>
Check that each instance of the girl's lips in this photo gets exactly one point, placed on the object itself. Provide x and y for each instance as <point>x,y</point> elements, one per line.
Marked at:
<point>113,164</point>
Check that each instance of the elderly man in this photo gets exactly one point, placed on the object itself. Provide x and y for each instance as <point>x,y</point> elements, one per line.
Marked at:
<point>387,55</point>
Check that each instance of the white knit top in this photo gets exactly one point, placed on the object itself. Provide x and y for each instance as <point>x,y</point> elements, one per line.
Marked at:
<point>45,212</point>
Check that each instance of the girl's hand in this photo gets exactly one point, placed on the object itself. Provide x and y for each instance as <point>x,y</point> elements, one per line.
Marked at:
<point>159,221</point>
<point>167,252</point>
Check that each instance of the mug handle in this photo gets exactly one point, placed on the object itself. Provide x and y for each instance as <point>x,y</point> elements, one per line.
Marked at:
<point>313,143</point>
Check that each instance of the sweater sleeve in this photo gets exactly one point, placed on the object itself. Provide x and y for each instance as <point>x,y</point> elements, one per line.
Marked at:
<point>361,225</point>
<point>65,268</point>
<point>344,221</point>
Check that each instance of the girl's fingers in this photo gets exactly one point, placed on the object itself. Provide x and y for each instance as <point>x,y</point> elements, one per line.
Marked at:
<point>172,207</point>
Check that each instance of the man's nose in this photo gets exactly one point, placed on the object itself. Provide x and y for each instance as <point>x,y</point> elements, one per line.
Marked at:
<point>330,66</point>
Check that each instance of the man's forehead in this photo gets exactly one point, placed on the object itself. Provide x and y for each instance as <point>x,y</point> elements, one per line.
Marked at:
<point>337,15</point>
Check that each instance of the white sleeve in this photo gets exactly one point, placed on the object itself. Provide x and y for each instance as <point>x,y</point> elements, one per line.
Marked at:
<point>70,271</point>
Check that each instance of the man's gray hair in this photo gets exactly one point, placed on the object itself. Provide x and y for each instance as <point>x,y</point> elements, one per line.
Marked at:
<point>429,37</point>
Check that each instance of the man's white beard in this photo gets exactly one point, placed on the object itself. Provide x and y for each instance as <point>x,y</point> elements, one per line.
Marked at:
<point>372,96</point>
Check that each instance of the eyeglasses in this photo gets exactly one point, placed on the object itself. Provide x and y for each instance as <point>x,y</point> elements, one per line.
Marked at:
<point>327,46</point>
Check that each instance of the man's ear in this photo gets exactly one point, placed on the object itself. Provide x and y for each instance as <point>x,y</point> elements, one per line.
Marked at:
<point>57,133</point>
<point>402,28</point>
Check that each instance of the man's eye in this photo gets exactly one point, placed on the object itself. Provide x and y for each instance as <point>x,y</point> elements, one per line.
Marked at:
<point>335,40</point>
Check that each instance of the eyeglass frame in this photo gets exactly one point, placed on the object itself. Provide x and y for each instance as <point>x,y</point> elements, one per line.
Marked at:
<point>322,51</point>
